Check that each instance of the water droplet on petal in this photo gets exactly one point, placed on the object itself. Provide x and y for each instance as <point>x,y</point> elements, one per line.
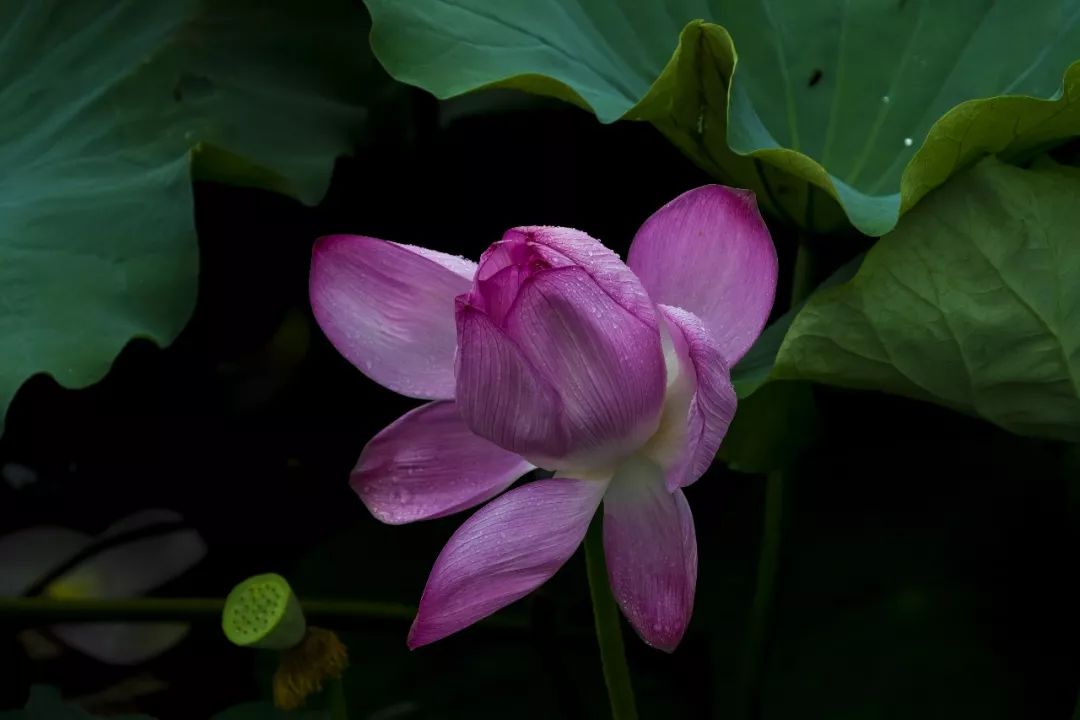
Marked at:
<point>907,142</point>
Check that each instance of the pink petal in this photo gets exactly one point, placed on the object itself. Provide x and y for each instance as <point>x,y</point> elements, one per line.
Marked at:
<point>606,363</point>
<point>389,310</point>
<point>495,295</point>
<point>709,252</point>
<point>429,464</point>
<point>500,394</point>
<point>651,553</point>
<point>454,263</point>
<point>711,406</point>
<point>561,247</point>
<point>507,549</point>
<point>121,643</point>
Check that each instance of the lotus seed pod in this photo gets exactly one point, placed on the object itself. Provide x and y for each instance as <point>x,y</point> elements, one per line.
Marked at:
<point>262,612</point>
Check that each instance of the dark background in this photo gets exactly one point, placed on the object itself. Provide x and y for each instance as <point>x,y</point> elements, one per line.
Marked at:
<point>927,562</point>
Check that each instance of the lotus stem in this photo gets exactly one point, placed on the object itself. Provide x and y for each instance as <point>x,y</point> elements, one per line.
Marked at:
<point>761,610</point>
<point>149,609</point>
<point>608,630</point>
<point>336,692</point>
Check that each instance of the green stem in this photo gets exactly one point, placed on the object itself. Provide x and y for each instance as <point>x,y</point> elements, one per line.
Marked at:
<point>757,634</point>
<point>802,281</point>
<point>28,611</point>
<point>150,609</point>
<point>608,629</point>
<point>339,710</point>
<point>761,610</point>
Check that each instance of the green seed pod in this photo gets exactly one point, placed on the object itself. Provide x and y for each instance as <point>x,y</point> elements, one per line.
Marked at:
<point>263,612</point>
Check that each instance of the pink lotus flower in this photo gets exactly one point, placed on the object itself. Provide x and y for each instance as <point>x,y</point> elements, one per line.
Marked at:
<point>552,353</point>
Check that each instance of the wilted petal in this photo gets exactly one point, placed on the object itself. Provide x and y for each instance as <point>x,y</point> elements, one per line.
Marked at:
<point>651,553</point>
<point>429,464</point>
<point>562,247</point>
<point>709,406</point>
<point>121,643</point>
<point>142,519</point>
<point>709,252</point>
<point>132,568</point>
<point>27,556</point>
<point>389,310</point>
<point>500,394</point>
<point>508,548</point>
<point>607,363</point>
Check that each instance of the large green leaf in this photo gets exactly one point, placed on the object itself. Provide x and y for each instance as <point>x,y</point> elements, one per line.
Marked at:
<point>972,302</point>
<point>863,99</point>
<point>776,421</point>
<point>755,368</point>
<point>772,428</point>
<point>103,106</point>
